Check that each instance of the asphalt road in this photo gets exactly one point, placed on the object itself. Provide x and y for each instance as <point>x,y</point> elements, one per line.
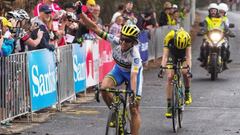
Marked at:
<point>215,109</point>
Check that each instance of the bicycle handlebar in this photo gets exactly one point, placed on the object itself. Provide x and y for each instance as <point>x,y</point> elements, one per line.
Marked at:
<point>110,90</point>
<point>189,74</point>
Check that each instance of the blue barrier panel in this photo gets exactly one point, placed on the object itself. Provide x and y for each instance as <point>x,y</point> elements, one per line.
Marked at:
<point>42,79</point>
<point>79,67</point>
<point>143,45</point>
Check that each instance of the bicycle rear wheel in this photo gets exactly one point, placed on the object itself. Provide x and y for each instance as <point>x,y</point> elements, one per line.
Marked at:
<point>175,108</point>
<point>112,130</point>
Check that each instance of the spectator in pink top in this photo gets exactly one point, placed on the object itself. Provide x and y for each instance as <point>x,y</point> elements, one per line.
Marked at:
<point>55,7</point>
<point>116,27</point>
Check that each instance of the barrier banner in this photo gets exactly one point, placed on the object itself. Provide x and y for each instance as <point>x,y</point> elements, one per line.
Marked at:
<point>106,61</point>
<point>92,62</point>
<point>143,45</point>
<point>79,67</point>
<point>42,79</point>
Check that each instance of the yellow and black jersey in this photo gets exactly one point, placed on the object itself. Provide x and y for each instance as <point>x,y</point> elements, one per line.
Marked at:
<point>174,51</point>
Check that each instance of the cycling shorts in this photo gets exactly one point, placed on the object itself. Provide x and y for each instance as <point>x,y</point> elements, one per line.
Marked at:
<point>119,76</point>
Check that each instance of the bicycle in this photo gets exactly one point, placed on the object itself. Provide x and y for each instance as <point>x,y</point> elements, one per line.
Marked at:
<point>118,110</point>
<point>177,103</point>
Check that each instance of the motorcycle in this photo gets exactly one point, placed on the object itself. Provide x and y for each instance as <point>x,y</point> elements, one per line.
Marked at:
<point>215,44</point>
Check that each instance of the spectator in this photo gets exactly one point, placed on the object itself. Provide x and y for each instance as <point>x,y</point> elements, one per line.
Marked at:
<point>116,27</point>
<point>174,7</point>
<point>148,20</point>
<point>87,8</point>
<point>22,33</point>
<point>69,7</point>
<point>44,23</point>
<point>55,7</point>
<point>175,20</point>
<point>128,14</point>
<point>117,13</point>
<point>6,39</point>
<point>165,14</point>
<point>96,14</point>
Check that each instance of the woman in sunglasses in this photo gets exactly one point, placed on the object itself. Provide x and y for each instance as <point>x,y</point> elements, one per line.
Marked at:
<point>128,67</point>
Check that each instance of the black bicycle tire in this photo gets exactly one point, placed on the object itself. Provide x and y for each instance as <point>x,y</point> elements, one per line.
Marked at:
<point>116,122</point>
<point>174,109</point>
<point>126,125</point>
<point>180,111</point>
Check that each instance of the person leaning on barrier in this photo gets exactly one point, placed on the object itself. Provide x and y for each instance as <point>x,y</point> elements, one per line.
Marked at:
<point>6,39</point>
<point>23,33</point>
<point>165,14</point>
<point>43,22</point>
<point>128,67</point>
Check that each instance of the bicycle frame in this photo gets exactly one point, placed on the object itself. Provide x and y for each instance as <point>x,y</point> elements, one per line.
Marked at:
<point>118,100</point>
<point>177,94</point>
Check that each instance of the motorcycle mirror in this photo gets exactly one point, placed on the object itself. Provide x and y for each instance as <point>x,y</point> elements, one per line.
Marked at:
<point>201,24</point>
<point>231,25</point>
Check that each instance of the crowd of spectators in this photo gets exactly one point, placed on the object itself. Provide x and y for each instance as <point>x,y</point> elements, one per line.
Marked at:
<point>53,25</point>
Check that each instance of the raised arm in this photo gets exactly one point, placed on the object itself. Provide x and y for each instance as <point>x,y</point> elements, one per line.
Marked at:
<point>88,22</point>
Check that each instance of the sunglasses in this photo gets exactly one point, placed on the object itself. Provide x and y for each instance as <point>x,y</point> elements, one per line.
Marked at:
<point>126,40</point>
<point>47,13</point>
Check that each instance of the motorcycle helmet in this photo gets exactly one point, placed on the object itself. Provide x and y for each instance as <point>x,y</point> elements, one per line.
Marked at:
<point>223,6</point>
<point>213,6</point>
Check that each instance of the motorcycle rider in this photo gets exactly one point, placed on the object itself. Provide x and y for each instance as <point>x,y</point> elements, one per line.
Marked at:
<point>213,20</point>
<point>223,9</point>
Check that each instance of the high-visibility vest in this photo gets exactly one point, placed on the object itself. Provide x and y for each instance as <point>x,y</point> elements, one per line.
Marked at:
<point>171,21</point>
<point>214,23</point>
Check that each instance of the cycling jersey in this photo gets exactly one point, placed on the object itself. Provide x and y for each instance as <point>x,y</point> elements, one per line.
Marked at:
<point>174,52</point>
<point>126,63</point>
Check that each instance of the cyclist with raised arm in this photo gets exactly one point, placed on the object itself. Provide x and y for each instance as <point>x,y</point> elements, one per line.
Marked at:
<point>177,45</point>
<point>128,66</point>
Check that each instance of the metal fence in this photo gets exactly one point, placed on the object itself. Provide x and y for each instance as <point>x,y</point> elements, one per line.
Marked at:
<point>65,81</point>
<point>156,43</point>
<point>14,87</point>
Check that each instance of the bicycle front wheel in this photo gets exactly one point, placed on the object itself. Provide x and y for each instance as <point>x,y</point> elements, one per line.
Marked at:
<point>180,106</point>
<point>175,108</point>
<point>112,127</point>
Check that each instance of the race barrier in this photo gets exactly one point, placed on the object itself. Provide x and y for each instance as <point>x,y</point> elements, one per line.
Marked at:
<point>15,100</point>
<point>42,79</point>
<point>65,82</point>
<point>35,80</point>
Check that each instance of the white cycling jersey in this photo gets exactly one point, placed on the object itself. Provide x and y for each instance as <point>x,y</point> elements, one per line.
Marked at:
<point>127,61</point>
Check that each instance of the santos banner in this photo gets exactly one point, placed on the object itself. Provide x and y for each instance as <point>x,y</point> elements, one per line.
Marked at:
<point>42,79</point>
<point>106,61</point>
<point>79,67</point>
<point>92,62</point>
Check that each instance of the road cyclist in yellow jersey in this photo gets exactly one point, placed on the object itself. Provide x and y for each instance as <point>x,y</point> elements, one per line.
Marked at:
<point>177,46</point>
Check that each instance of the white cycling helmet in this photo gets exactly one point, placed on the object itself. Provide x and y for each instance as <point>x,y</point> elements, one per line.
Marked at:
<point>223,6</point>
<point>213,6</point>
<point>23,14</point>
<point>13,14</point>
